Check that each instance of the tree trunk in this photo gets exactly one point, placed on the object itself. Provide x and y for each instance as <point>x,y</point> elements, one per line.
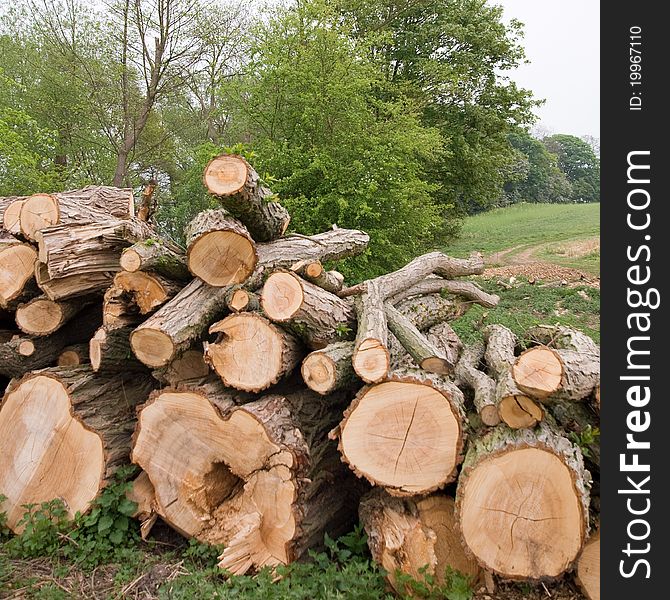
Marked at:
<point>239,189</point>
<point>468,374</point>
<point>588,568</point>
<point>17,268</point>
<point>406,434</point>
<point>72,286</point>
<point>430,310</point>
<point>251,354</point>
<point>313,271</point>
<point>42,316</point>
<point>240,300</point>
<point>73,356</point>
<point>159,256</point>
<point>424,353</point>
<point>147,291</point>
<point>220,249</point>
<point>330,369</point>
<point>371,358</point>
<point>20,354</point>
<point>527,490</point>
<point>75,207</point>
<point>63,432</point>
<point>418,537</point>
<point>418,269</point>
<point>11,211</point>
<point>514,407</point>
<point>262,479</point>
<point>436,285</point>
<point>190,364</point>
<point>316,316</point>
<point>109,350</point>
<point>570,370</point>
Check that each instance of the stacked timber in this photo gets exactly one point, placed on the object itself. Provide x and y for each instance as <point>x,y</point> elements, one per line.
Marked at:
<point>268,403</point>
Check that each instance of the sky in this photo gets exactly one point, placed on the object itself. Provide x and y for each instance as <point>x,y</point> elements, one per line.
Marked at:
<point>562,42</point>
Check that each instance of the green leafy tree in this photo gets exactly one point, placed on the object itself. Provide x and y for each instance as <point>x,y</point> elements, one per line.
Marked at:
<point>581,166</point>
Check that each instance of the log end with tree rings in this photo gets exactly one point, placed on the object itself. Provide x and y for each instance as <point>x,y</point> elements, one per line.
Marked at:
<point>130,260</point>
<point>251,354</point>
<point>38,212</point>
<point>588,568</point>
<point>17,267</point>
<point>148,291</point>
<point>26,348</point>
<point>404,435</point>
<point>11,217</point>
<point>371,360</point>
<point>73,356</point>
<point>518,411</point>
<point>538,371</point>
<point>319,372</point>
<point>225,175</point>
<point>222,257</point>
<point>41,316</point>
<point>239,300</point>
<point>282,296</point>
<point>152,346</point>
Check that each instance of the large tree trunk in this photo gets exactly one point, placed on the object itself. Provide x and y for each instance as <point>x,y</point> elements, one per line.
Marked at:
<point>157,255</point>
<point>252,354</point>
<point>565,367</point>
<point>220,249</point>
<point>417,537</point>
<point>484,388</point>
<point>515,408</point>
<point>11,211</point>
<point>63,432</point>
<point>318,317</point>
<point>17,268</point>
<point>588,568</point>
<point>406,434</point>
<point>239,189</point>
<point>371,358</point>
<point>42,316</point>
<point>263,479</point>
<point>523,502</point>
<point>88,205</point>
<point>20,354</point>
<point>330,369</point>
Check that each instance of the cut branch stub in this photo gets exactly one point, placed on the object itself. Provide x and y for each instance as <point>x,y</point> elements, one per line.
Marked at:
<point>313,271</point>
<point>405,434</point>
<point>73,356</point>
<point>239,189</point>
<point>220,249</point>
<point>63,432</point>
<point>17,268</point>
<point>240,300</point>
<point>330,369</point>
<point>484,387</point>
<point>251,354</point>
<point>318,317</point>
<point>522,501</point>
<point>371,358</point>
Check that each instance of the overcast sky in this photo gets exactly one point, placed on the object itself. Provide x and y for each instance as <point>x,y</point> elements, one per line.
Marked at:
<point>562,42</point>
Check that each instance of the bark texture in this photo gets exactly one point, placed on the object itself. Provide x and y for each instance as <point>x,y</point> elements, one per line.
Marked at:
<point>156,255</point>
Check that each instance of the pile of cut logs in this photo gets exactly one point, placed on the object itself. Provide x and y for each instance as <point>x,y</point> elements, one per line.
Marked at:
<point>267,403</point>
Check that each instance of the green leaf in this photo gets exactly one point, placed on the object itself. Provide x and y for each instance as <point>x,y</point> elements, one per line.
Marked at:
<point>105,522</point>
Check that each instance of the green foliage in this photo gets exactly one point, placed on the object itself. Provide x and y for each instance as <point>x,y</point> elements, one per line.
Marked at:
<point>352,544</point>
<point>204,556</point>
<point>585,438</point>
<point>456,586</point>
<point>580,165</point>
<point>43,528</point>
<point>4,530</point>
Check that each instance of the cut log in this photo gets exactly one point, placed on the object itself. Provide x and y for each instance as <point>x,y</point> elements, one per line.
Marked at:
<point>239,189</point>
<point>330,369</point>
<point>11,213</point>
<point>73,356</point>
<point>443,338</point>
<point>156,255</point>
<point>42,316</point>
<point>262,478</point>
<point>569,370</point>
<point>146,290</point>
<point>220,249</point>
<point>177,324</point>
<point>318,317</point>
<point>251,354</point>
<point>405,434</point>
<point>72,286</point>
<point>417,537</point>
<point>515,408</point>
<point>17,268</point>
<point>484,387</point>
<point>313,271</point>
<point>430,310</point>
<point>371,358</point>
<point>109,350</point>
<point>424,353</point>
<point>189,365</point>
<point>88,205</point>
<point>240,300</point>
<point>437,285</point>
<point>143,494</point>
<point>418,269</point>
<point>63,432</point>
<point>71,250</point>
<point>588,568</point>
<point>119,310</point>
<point>21,354</point>
<point>523,502</point>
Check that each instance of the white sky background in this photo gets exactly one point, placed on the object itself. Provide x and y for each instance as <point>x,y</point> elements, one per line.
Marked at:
<point>562,42</point>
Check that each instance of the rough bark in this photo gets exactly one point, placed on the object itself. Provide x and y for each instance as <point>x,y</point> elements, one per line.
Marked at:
<point>430,310</point>
<point>437,285</point>
<point>484,387</point>
<point>17,268</point>
<point>371,359</point>
<point>251,353</point>
<point>119,310</point>
<point>406,434</point>
<point>109,350</point>
<point>529,491</point>
<point>239,189</point>
<point>267,499</point>
<point>156,255</point>
<point>417,537</point>
<point>418,269</point>
<point>72,286</point>
<point>219,248</point>
<point>313,271</point>
<point>63,432</point>
<point>330,369</point>
<point>75,207</point>
<point>41,316</point>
